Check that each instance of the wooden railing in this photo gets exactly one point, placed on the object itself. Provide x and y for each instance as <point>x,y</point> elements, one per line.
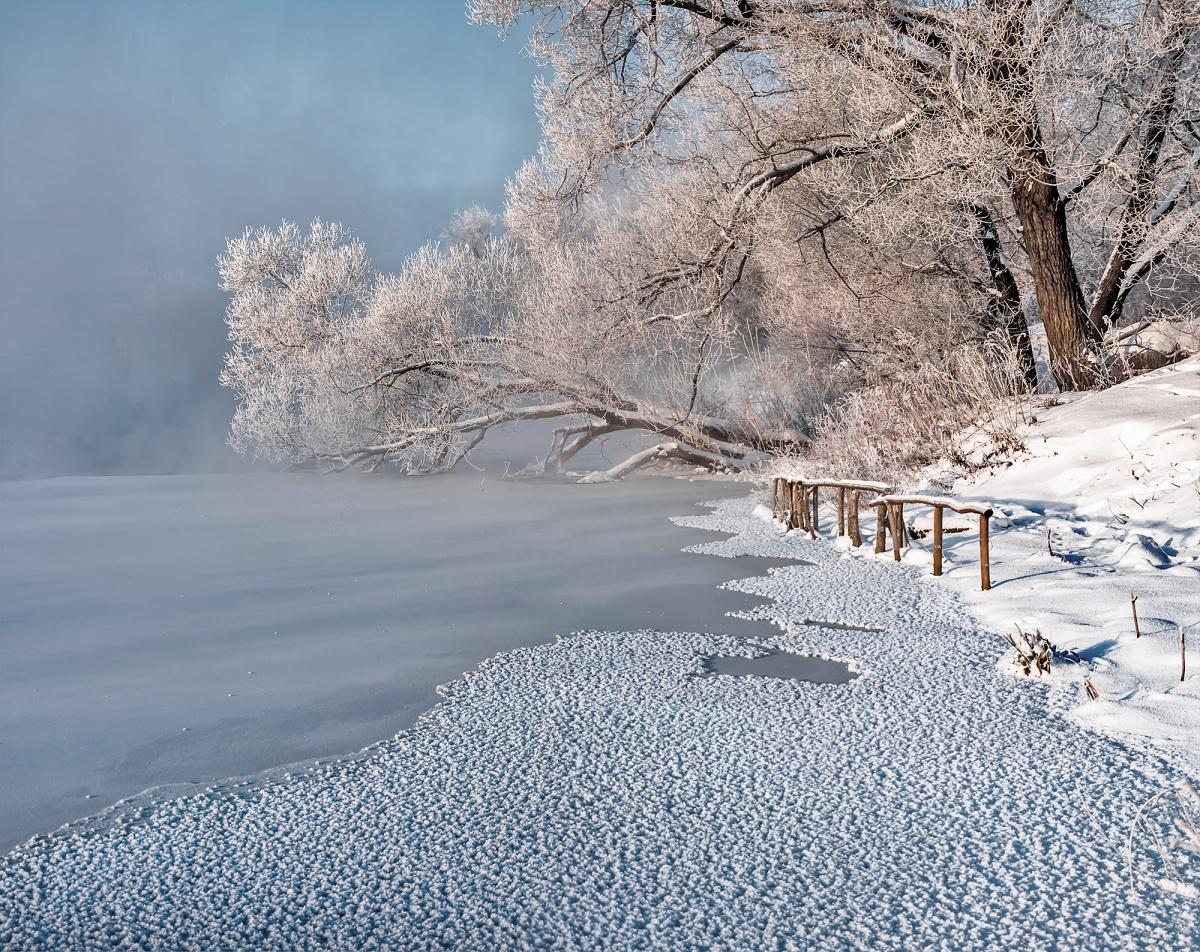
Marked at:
<point>796,502</point>
<point>894,506</point>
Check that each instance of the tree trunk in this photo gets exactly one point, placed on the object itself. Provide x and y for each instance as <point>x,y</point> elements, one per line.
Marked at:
<point>1038,203</point>
<point>1043,219</point>
<point>1004,311</point>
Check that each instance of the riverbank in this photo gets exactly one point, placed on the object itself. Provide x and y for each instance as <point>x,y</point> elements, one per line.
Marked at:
<point>1103,504</point>
<point>596,792</point>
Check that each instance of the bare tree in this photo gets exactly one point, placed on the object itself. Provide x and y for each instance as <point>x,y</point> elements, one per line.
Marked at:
<point>1049,144</point>
<point>472,228</point>
<point>336,363</point>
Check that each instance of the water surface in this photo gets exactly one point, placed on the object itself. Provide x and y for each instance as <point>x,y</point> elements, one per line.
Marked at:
<point>157,630</point>
<point>782,664</point>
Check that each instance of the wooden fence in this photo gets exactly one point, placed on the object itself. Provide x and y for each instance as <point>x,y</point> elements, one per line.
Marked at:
<point>796,501</point>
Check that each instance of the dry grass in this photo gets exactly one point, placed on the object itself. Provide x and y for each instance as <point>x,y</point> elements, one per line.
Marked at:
<point>964,409</point>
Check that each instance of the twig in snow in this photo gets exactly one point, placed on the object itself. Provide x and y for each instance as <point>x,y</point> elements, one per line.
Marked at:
<point>1133,604</point>
<point>1119,516</point>
<point>1173,838</point>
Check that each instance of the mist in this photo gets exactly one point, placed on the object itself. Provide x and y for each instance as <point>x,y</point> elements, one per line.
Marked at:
<point>136,136</point>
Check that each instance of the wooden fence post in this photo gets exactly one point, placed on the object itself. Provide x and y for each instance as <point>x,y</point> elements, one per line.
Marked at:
<point>774,495</point>
<point>985,569</point>
<point>937,540</point>
<point>889,518</point>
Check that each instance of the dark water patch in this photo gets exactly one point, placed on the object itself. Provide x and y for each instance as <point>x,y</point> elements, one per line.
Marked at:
<point>842,625</point>
<point>781,664</point>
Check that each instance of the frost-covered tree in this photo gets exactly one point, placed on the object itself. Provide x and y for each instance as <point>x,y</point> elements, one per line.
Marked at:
<point>958,151</point>
<point>337,363</point>
<point>742,212</point>
<point>471,228</point>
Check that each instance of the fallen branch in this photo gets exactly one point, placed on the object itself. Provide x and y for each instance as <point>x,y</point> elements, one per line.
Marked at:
<point>658,453</point>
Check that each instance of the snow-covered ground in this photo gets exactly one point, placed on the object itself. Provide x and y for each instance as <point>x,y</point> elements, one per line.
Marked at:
<point>163,630</point>
<point>598,792</point>
<point>1104,504</point>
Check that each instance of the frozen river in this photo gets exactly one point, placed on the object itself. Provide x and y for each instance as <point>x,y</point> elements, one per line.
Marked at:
<point>158,630</point>
<point>602,791</point>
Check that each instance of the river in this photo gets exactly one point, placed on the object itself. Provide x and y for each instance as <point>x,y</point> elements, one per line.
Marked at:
<point>166,629</point>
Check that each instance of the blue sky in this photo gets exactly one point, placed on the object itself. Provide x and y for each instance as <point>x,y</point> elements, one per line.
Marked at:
<point>136,135</point>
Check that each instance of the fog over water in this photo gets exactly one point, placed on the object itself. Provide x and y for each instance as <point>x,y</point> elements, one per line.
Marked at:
<point>158,629</point>
<point>135,136</point>
<point>168,629</point>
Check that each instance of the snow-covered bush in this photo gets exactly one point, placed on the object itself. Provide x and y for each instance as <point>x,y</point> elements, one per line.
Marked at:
<point>1032,652</point>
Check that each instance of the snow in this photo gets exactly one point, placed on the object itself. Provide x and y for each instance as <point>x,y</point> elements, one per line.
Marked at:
<point>1104,504</point>
<point>598,791</point>
<point>134,609</point>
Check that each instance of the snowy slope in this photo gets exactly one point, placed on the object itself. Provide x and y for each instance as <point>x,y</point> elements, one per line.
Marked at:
<point>1104,503</point>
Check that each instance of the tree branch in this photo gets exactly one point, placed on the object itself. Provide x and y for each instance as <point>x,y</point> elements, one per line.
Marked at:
<point>673,92</point>
<point>657,453</point>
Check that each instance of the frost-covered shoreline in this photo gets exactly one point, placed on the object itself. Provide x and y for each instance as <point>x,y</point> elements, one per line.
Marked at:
<point>593,792</point>
<point>1103,504</point>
